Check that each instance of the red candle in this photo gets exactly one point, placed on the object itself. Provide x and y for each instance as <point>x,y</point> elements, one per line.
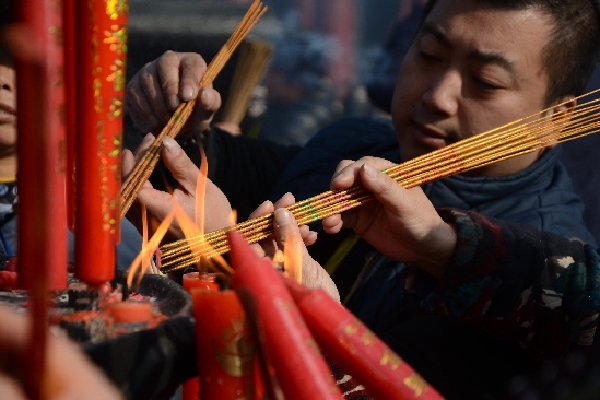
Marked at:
<point>129,311</point>
<point>285,340</point>
<point>102,47</point>
<point>201,281</point>
<point>70,67</point>
<point>205,281</point>
<point>226,350</point>
<point>357,350</point>
<point>41,164</point>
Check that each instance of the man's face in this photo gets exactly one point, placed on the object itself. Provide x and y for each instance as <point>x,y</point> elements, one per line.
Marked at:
<point>472,68</point>
<point>8,114</point>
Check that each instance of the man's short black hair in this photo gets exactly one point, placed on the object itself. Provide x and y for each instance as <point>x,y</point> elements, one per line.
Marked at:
<point>573,51</point>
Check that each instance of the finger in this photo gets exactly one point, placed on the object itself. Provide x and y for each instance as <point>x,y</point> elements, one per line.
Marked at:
<point>285,228</point>
<point>258,249</point>
<point>348,174</point>
<point>285,201</point>
<point>143,147</point>
<point>309,237</point>
<point>153,91</point>
<point>128,162</point>
<point>385,189</point>
<point>264,208</point>
<point>180,165</point>
<point>333,224</point>
<point>210,102</point>
<point>138,107</point>
<point>158,203</point>
<point>192,67</point>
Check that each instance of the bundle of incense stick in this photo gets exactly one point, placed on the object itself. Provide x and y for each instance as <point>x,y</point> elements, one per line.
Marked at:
<point>144,168</point>
<point>254,58</point>
<point>516,138</point>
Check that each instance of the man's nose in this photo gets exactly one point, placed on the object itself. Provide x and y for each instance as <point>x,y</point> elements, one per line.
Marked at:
<point>6,83</point>
<point>443,93</point>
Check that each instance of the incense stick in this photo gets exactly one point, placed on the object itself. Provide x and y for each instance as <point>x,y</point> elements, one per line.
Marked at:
<point>516,138</point>
<point>144,168</point>
<point>251,65</point>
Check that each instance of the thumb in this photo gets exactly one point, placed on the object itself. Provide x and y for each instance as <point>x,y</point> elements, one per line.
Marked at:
<point>180,165</point>
<point>385,189</point>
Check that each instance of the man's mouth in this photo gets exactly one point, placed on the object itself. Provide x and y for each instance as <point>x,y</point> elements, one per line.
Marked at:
<point>429,136</point>
<point>7,114</point>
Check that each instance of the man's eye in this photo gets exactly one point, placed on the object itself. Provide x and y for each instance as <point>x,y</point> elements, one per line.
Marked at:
<point>485,85</point>
<point>427,57</point>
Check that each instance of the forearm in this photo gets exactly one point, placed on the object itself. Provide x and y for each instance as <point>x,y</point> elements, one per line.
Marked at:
<point>520,284</point>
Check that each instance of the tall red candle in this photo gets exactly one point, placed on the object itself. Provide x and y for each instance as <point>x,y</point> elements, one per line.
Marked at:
<point>70,67</point>
<point>41,163</point>
<point>102,47</point>
<point>357,350</point>
<point>196,280</point>
<point>226,349</point>
<point>289,347</point>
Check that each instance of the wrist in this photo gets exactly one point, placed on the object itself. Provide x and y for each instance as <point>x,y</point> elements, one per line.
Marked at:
<point>440,252</point>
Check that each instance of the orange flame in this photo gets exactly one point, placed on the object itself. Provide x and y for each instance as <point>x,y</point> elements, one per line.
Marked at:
<point>149,249</point>
<point>201,192</point>
<point>146,266</point>
<point>292,257</point>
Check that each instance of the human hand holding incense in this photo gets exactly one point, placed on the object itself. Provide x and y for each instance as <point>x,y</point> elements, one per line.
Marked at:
<point>287,233</point>
<point>160,86</point>
<point>159,204</point>
<point>401,223</point>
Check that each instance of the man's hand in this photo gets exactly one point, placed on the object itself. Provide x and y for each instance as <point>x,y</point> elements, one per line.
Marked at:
<point>159,204</point>
<point>288,233</point>
<point>156,90</point>
<point>401,223</point>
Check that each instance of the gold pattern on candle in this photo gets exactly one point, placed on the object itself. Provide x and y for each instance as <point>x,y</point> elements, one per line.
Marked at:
<point>390,358</point>
<point>416,383</point>
<point>368,337</point>
<point>116,8</point>
<point>234,350</point>
<point>350,329</point>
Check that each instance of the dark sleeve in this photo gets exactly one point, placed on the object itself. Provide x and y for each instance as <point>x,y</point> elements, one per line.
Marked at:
<point>245,169</point>
<point>149,364</point>
<point>536,288</point>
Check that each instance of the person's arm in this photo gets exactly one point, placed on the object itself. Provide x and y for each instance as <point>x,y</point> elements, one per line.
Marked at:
<point>536,288</point>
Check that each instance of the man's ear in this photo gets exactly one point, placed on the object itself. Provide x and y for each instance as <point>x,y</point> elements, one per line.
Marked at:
<point>560,112</point>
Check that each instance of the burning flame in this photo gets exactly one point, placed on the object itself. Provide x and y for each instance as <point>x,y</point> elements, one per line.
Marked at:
<point>189,228</point>
<point>149,249</point>
<point>292,257</point>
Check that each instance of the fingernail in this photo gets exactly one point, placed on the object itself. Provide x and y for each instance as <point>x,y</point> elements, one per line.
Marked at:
<point>337,176</point>
<point>207,98</point>
<point>266,203</point>
<point>281,217</point>
<point>148,138</point>
<point>171,145</point>
<point>188,93</point>
<point>370,171</point>
<point>174,101</point>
